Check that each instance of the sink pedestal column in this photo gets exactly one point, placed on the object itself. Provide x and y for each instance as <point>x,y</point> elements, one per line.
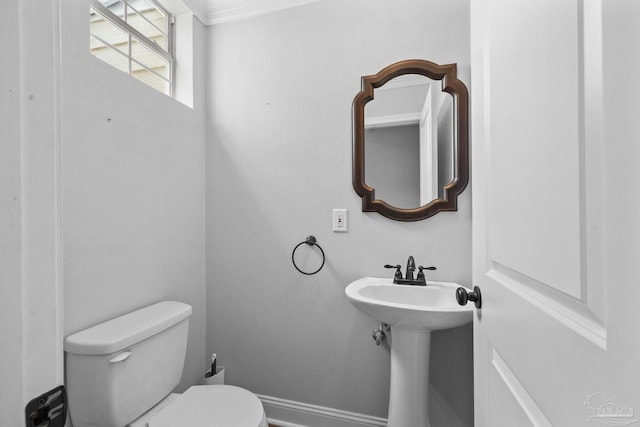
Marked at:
<point>409,389</point>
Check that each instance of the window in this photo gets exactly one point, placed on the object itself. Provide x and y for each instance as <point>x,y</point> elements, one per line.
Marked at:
<point>135,36</point>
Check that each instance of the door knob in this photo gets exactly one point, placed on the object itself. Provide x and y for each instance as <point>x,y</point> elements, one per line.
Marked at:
<point>463,296</point>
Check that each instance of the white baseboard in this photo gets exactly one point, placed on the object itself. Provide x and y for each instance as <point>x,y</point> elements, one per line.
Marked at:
<point>289,413</point>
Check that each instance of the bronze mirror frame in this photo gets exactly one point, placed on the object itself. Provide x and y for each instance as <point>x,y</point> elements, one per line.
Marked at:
<point>453,86</point>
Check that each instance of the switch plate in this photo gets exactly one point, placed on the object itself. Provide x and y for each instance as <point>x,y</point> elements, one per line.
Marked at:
<point>340,223</point>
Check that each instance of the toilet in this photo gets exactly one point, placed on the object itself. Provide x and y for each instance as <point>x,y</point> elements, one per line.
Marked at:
<point>122,372</point>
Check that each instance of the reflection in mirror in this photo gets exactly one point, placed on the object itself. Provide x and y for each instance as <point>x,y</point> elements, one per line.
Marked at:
<point>409,141</point>
<point>415,136</point>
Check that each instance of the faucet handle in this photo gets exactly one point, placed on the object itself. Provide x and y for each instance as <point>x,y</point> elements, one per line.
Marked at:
<point>421,273</point>
<point>398,273</point>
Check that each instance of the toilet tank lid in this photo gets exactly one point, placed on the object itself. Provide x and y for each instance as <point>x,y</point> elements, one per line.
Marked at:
<point>128,329</point>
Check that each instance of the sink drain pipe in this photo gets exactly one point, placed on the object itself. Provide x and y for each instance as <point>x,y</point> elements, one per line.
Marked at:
<point>378,334</point>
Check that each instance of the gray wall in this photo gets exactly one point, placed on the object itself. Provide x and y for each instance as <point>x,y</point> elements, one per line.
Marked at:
<point>133,172</point>
<point>278,162</point>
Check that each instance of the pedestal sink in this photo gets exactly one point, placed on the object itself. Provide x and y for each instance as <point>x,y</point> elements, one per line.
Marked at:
<point>412,312</point>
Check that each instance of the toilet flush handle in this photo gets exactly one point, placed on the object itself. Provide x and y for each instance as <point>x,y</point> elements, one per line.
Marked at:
<point>120,357</point>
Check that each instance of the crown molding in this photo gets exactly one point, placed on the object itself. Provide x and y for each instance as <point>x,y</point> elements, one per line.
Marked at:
<point>243,9</point>
<point>392,121</point>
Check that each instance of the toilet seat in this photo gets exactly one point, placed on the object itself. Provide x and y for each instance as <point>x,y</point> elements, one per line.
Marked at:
<point>212,406</point>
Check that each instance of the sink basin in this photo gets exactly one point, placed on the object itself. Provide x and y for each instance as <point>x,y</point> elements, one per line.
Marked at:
<point>430,307</point>
<point>412,312</point>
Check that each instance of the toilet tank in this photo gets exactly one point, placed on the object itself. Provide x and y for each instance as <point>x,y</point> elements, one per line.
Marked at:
<point>119,369</point>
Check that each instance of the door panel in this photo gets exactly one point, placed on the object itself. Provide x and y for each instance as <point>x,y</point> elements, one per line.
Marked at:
<point>535,143</point>
<point>520,409</point>
<point>555,335</point>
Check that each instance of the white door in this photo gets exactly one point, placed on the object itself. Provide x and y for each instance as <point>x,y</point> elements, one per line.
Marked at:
<point>556,168</point>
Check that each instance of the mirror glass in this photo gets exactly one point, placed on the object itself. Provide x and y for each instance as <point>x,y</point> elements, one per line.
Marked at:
<point>409,141</point>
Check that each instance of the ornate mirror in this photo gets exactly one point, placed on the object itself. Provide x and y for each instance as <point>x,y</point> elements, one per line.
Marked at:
<point>413,141</point>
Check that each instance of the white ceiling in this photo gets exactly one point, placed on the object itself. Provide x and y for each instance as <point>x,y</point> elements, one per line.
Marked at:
<point>217,11</point>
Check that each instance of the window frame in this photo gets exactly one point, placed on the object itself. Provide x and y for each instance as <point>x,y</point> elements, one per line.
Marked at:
<point>168,55</point>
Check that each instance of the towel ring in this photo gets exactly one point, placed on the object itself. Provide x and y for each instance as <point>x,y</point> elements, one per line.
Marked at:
<point>311,241</point>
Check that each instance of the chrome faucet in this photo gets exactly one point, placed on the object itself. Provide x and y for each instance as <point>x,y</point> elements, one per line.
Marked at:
<point>411,267</point>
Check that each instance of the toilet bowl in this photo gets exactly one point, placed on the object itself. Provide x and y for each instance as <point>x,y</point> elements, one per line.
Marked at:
<point>122,372</point>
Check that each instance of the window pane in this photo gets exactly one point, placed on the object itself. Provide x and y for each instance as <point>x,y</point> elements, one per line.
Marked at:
<point>148,58</point>
<point>104,32</point>
<point>115,6</point>
<point>134,37</point>
<point>110,55</point>
<point>147,6</point>
<point>152,22</point>
<point>152,80</point>
<point>149,23</point>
